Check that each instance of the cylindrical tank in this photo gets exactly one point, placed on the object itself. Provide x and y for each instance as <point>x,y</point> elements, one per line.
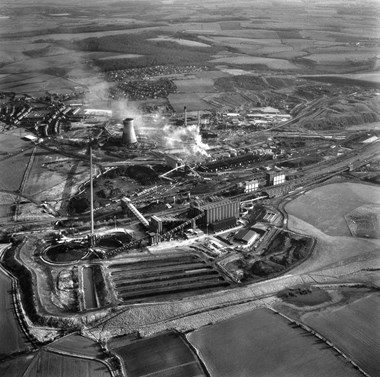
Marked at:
<point>129,135</point>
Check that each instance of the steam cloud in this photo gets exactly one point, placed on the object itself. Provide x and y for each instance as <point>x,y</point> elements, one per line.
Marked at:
<point>187,138</point>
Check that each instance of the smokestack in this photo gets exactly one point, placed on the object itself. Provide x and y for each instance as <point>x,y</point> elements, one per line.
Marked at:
<point>129,136</point>
<point>185,116</point>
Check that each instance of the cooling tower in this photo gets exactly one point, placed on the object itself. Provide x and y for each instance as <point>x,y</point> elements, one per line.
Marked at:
<point>129,136</point>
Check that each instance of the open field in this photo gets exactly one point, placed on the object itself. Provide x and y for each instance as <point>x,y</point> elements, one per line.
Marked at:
<point>41,180</point>
<point>269,38</point>
<point>201,28</point>
<point>265,344</point>
<point>276,64</point>
<point>340,57</point>
<point>364,221</point>
<point>6,203</point>
<point>48,364</point>
<point>353,329</point>
<point>183,42</point>
<point>326,206</point>
<point>12,170</point>
<point>122,56</point>
<point>261,21</point>
<point>192,101</point>
<point>5,211</point>
<point>52,44</point>
<point>12,338</point>
<point>11,143</point>
<point>76,344</point>
<point>196,85</point>
<point>163,355</point>
<point>364,79</point>
<point>16,367</point>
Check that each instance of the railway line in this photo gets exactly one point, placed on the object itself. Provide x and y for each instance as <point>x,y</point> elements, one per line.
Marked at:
<point>22,185</point>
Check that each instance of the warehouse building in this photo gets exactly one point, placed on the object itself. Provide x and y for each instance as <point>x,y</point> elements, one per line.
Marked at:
<point>247,237</point>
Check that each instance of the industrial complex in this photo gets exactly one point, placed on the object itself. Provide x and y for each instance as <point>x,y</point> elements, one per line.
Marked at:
<point>179,172</point>
<point>161,184</point>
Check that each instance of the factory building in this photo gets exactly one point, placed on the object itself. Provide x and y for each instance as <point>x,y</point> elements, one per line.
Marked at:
<point>155,224</point>
<point>164,223</point>
<point>245,159</point>
<point>251,186</point>
<point>173,162</point>
<point>274,178</point>
<point>215,213</point>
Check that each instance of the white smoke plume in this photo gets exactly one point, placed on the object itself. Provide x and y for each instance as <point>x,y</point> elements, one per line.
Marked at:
<point>125,109</point>
<point>188,138</point>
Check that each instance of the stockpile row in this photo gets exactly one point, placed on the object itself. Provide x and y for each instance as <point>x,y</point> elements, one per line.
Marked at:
<point>149,278</point>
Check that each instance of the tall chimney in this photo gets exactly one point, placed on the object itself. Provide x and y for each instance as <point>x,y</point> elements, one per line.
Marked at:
<point>185,116</point>
<point>129,136</point>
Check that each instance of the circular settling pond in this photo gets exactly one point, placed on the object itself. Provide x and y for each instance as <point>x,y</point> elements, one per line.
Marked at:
<point>68,252</point>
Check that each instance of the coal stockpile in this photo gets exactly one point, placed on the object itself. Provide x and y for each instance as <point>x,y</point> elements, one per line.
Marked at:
<point>143,174</point>
<point>203,188</point>
<point>78,204</point>
<point>113,240</point>
<point>301,162</point>
<point>153,278</point>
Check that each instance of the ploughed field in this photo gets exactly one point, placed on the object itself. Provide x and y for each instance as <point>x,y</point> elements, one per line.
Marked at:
<point>353,328</point>
<point>75,344</point>
<point>47,364</point>
<point>263,343</point>
<point>173,274</point>
<point>70,356</point>
<point>163,355</point>
<point>12,338</point>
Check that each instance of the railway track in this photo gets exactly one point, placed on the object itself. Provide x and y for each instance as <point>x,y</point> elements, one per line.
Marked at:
<point>22,185</point>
